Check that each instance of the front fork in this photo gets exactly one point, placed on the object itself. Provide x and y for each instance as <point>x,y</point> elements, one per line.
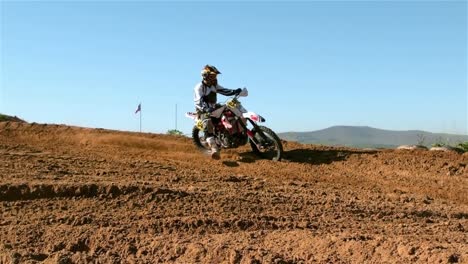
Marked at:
<point>251,134</point>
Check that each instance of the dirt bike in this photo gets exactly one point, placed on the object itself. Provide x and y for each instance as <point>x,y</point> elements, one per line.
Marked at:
<point>230,121</point>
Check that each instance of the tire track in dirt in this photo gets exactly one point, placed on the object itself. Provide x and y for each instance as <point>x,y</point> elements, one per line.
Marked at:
<point>9,192</point>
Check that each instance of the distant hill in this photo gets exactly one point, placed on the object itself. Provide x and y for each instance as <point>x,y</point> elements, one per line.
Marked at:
<point>364,137</point>
<point>4,118</point>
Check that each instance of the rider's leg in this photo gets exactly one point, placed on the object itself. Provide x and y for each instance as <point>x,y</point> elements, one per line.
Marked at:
<point>209,132</point>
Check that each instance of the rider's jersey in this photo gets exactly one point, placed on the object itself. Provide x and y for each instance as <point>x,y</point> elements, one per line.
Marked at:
<point>205,96</point>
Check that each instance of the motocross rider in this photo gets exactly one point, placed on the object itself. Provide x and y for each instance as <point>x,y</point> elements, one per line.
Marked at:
<point>205,103</point>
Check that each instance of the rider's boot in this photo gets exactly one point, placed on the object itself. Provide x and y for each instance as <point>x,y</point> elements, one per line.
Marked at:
<point>214,148</point>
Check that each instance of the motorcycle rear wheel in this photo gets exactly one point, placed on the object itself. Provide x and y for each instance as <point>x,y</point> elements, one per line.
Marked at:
<point>272,148</point>
<point>198,138</point>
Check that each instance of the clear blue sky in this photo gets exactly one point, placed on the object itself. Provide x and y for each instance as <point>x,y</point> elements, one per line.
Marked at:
<point>308,65</point>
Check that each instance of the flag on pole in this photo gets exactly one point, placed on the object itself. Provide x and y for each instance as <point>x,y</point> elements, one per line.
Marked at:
<point>138,109</point>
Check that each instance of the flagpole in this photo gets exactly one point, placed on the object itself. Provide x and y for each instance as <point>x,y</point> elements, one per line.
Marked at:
<point>140,117</point>
<point>176,117</point>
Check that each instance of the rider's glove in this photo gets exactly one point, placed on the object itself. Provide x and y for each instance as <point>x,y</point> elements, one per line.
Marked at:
<point>238,91</point>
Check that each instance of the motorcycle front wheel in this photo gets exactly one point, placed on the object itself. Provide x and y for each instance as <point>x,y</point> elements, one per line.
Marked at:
<point>270,146</point>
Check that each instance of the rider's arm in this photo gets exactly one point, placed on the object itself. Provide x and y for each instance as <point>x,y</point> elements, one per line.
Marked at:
<point>198,97</point>
<point>227,92</point>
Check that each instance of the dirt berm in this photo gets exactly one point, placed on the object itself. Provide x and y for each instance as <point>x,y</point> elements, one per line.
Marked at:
<point>79,195</point>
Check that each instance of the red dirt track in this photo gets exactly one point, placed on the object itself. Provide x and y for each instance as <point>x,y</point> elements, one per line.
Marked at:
<point>78,195</point>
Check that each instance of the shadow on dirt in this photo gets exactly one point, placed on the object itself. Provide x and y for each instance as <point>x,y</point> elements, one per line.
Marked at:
<point>230,163</point>
<point>315,157</point>
<point>248,157</point>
